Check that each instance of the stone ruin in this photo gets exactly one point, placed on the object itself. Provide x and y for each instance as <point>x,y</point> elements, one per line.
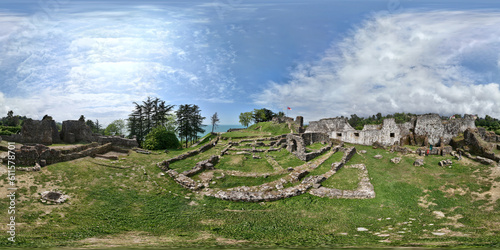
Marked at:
<point>37,135</point>
<point>274,190</point>
<point>296,144</point>
<point>45,132</point>
<point>422,130</point>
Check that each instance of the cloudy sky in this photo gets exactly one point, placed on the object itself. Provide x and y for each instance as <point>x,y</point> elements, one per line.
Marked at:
<point>323,58</point>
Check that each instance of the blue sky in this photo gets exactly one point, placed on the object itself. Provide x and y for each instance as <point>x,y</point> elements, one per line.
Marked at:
<point>321,58</point>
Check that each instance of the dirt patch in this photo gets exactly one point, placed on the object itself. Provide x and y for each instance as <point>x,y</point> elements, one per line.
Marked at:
<point>423,202</point>
<point>212,222</point>
<point>438,214</point>
<point>236,160</point>
<point>493,194</point>
<point>453,191</point>
<point>125,239</point>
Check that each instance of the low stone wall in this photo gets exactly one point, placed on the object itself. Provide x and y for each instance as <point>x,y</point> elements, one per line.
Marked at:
<point>31,155</point>
<point>264,195</point>
<point>365,189</point>
<point>184,181</point>
<point>202,165</point>
<point>348,154</point>
<point>118,141</point>
<point>443,150</point>
<point>202,149</point>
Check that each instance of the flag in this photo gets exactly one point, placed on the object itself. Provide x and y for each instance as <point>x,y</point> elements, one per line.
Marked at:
<point>289,108</point>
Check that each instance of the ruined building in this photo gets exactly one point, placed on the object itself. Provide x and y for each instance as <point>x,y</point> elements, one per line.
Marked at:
<point>421,130</point>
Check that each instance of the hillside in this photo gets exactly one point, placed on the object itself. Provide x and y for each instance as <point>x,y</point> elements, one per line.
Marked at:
<point>131,202</point>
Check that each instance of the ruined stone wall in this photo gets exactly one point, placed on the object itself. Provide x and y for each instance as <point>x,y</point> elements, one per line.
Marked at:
<point>118,141</point>
<point>33,131</point>
<point>76,131</point>
<point>31,155</point>
<point>422,129</point>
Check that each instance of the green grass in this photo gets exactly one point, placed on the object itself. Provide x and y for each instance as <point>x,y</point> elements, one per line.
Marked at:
<point>327,165</point>
<point>67,144</point>
<point>113,203</point>
<point>344,179</point>
<point>314,147</point>
<point>245,163</point>
<point>285,159</point>
<point>236,181</point>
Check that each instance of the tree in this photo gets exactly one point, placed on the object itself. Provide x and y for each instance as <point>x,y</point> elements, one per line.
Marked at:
<point>189,121</point>
<point>115,128</point>
<point>91,125</point>
<point>150,113</point>
<point>11,119</point>
<point>215,121</point>
<point>246,118</point>
<point>82,118</point>
<point>98,127</point>
<point>160,138</point>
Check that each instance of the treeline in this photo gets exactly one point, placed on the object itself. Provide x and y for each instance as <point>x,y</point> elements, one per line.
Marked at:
<point>11,124</point>
<point>489,123</point>
<point>155,124</point>
<point>358,122</point>
<point>258,115</point>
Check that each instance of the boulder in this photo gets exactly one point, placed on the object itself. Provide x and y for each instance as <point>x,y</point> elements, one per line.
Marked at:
<point>378,156</point>
<point>396,160</point>
<point>444,163</point>
<point>418,162</point>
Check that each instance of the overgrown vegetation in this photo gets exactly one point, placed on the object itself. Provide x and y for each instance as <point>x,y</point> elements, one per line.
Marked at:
<point>489,123</point>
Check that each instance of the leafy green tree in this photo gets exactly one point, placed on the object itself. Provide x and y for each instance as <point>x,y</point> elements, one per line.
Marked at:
<point>117,127</point>
<point>160,138</point>
<point>215,121</point>
<point>91,125</point>
<point>262,115</point>
<point>150,113</point>
<point>246,118</point>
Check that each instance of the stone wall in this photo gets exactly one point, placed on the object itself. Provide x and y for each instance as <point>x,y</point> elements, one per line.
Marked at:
<point>31,155</point>
<point>118,141</point>
<point>33,131</point>
<point>423,129</point>
<point>296,144</point>
<point>76,131</point>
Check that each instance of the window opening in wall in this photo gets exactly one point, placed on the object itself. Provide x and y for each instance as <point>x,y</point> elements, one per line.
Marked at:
<point>339,134</point>
<point>356,134</point>
<point>392,135</point>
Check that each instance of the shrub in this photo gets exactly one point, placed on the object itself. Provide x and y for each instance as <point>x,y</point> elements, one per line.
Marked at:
<point>5,132</point>
<point>497,131</point>
<point>160,138</point>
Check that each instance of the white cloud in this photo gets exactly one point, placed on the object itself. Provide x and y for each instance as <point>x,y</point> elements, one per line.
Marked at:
<point>444,62</point>
<point>98,63</point>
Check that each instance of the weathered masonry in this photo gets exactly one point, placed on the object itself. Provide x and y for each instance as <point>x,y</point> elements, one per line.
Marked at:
<point>421,130</point>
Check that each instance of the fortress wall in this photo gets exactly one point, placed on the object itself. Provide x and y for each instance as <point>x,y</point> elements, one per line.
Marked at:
<point>390,133</point>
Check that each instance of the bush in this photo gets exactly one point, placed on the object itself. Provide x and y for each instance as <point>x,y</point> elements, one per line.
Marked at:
<point>160,138</point>
<point>5,132</point>
<point>497,131</point>
<point>9,130</point>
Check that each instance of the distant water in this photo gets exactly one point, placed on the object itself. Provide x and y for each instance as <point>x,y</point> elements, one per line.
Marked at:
<point>219,128</point>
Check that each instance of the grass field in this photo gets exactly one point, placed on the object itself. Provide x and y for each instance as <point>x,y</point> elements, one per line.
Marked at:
<point>128,203</point>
